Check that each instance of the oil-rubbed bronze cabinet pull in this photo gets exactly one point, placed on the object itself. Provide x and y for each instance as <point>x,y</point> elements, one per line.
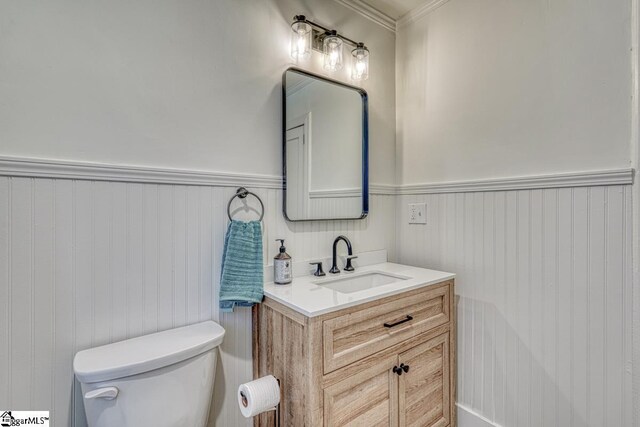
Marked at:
<point>391,325</point>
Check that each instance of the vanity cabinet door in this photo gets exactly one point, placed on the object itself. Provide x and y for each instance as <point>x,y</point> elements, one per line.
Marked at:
<point>424,387</point>
<point>368,399</point>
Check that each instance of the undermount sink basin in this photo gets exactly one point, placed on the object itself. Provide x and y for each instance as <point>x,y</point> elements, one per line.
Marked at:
<point>359,282</point>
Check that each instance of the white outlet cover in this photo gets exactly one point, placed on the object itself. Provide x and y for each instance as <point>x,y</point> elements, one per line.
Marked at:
<point>417,213</point>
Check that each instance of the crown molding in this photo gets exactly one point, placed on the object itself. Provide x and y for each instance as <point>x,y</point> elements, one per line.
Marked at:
<point>564,180</point>
<point>370,13</point>
<point>62,169</point>
<point>419,12</point>
<point>386,21</point>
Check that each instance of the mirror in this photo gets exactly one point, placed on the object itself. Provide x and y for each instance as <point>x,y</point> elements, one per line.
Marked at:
<point>325,148</point>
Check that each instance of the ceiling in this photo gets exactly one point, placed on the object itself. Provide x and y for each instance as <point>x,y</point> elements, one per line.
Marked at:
<point>394,8</point>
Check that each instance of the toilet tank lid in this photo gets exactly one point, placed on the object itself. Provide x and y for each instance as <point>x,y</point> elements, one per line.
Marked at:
<point>146,353</point>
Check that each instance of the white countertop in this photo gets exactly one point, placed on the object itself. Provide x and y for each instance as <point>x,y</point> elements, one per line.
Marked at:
<point>305,296</point>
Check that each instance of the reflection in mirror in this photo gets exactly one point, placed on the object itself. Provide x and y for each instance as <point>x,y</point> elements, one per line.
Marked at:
<point>325,146</point>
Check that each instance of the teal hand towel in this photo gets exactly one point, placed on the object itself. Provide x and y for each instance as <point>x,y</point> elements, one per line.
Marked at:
<point>242,277</point>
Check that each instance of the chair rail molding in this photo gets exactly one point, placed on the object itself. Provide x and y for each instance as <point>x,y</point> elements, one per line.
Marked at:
<point>561,180</point>
<point>63,169</point>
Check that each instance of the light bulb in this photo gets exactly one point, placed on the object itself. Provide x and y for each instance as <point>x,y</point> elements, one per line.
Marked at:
<point>302,42</point>
<point>333,59</point>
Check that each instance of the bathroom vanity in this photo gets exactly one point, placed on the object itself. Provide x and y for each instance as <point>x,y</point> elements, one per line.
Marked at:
<point>375,347</point>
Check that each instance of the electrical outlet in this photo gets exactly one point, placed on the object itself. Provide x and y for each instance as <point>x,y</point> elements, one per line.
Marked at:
<point>417,213</point>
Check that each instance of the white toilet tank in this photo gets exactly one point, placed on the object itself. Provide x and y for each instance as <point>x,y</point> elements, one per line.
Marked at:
<point>162,379</point>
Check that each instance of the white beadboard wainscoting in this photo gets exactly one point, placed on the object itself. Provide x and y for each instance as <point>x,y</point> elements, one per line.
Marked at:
<point>545,309</point>
<point>88,262</point>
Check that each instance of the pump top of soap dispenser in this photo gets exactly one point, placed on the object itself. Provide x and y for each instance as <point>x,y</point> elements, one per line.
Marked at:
<point>283,255</point>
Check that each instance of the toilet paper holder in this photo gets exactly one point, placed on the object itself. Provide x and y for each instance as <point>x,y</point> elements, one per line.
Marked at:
<point>245,403</point>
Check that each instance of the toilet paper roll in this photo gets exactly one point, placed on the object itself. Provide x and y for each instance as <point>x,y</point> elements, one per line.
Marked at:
<point>258,396</point>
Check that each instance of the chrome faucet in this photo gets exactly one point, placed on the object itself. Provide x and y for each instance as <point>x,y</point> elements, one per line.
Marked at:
<point>348,266</point>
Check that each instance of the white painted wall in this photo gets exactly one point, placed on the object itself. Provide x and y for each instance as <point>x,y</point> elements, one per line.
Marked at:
<point>491,89</point>
<point>181,84</point>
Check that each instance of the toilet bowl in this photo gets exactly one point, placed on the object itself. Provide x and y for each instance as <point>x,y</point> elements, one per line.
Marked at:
<point>162,379</point>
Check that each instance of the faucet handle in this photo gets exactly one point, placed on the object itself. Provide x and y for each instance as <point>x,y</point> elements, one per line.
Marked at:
<point>318,271</point>
<point>348,266</point>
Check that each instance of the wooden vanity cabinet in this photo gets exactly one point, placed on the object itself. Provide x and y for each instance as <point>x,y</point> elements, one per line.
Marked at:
<point>389,362</point>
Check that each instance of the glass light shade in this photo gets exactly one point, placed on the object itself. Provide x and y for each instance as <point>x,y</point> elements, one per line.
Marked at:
<point>300,40</point>
<point>332,45</point>
<point>360,67</point>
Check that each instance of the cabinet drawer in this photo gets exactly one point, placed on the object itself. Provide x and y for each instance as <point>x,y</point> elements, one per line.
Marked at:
<point>363,332</point>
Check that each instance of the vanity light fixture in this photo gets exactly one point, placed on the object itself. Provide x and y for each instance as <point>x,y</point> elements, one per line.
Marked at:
<point>307,35</point>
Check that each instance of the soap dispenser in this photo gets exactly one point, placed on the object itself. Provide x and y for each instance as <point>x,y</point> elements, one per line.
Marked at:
<point>282,268</point>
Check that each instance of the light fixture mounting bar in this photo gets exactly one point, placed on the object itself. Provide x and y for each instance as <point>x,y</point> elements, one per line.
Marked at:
<point>317,27</point>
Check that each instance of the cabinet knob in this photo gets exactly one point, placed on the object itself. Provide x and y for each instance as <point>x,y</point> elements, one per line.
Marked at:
<point>400,369</point>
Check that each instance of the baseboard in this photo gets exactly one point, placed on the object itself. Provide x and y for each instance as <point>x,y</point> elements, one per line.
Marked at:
<point>468,418</point>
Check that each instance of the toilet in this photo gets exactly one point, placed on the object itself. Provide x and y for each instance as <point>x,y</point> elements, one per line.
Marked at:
<point>162,379</point>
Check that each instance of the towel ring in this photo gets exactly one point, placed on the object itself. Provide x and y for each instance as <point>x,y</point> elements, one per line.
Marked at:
<point>243,193</point>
